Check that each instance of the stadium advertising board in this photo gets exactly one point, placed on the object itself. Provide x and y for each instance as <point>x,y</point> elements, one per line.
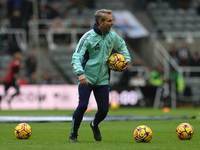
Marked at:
<point>129,24</point>
<point>63,97</point>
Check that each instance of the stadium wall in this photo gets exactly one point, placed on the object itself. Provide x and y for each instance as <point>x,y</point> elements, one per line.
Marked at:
<point>60,97</point>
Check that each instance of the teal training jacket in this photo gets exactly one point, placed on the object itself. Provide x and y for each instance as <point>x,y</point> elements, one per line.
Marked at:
<point>92,53</point>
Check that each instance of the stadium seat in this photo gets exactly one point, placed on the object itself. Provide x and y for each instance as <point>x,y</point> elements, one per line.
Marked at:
<point>152,6</point>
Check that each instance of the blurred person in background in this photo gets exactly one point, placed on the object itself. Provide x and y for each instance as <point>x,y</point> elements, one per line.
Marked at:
<point>177,79</point>
<point>156,77</point>
<point>19,12</point>
<point>22,80</point>
<point>89,63</point>
<point>33,79</point>
<point>136,79</point>
<point>184,58</point>
<point>184,55</point>
<point>31,64</point>
<point>15,13</point>
<point>47,78</point>
<point>44,13</point>
<point>3,37</point>
<point>12,45</point>
<point>129,74</point>
<point>13,5</point>
<point>155,84</point>
<point>195,62</point>
<point>57,79</point>
<point>54,11</point>
<point>174,53</point>
<point>12,75</point>
<point>198,8</point>
<point>3,11</point>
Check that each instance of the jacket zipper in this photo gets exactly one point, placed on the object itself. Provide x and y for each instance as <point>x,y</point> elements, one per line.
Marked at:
<point>101,59</point>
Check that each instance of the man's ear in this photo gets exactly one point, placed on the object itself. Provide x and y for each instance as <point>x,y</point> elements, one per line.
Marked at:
<point>100,22</point>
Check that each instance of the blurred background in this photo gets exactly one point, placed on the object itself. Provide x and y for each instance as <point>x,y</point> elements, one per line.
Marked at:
<point>161,35</point>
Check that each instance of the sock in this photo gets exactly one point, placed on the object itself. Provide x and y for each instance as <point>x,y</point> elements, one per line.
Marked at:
<point>92,123</point>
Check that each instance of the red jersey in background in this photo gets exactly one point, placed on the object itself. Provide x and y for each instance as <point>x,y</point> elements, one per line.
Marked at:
<point>13,69</point>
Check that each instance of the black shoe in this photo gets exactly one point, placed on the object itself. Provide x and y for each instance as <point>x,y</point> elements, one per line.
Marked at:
<point>73,139</point>
<point>96,132</point>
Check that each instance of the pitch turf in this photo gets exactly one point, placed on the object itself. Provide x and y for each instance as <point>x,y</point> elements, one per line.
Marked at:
<point>116,135</point>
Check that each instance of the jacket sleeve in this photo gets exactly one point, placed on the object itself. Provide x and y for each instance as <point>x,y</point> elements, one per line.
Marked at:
<point>120,46</point>
<point>77,57</point>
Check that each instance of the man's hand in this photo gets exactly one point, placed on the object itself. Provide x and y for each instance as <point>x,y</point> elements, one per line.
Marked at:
<point>126,65</point>
<point>83,81</point>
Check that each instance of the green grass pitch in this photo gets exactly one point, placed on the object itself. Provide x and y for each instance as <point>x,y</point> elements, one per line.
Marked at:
<point>116,135</point>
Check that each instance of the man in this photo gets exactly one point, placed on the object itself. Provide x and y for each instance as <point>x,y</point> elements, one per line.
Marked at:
<point>89,63</point>
<point>12,76</point>
<point>31,64</point>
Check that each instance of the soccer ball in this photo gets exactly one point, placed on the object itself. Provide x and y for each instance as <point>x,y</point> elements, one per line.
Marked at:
<point>114,105</point>
<point>116,62</point>
<point>185,131</point>
<point>23,131</point>
<point>142,134</point>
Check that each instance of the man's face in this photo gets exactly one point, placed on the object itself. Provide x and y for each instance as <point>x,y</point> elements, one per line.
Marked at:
<point>105,26</point>
<point>18,56</point>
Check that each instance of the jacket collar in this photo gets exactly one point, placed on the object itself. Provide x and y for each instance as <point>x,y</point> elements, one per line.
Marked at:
<point>95,28</point>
